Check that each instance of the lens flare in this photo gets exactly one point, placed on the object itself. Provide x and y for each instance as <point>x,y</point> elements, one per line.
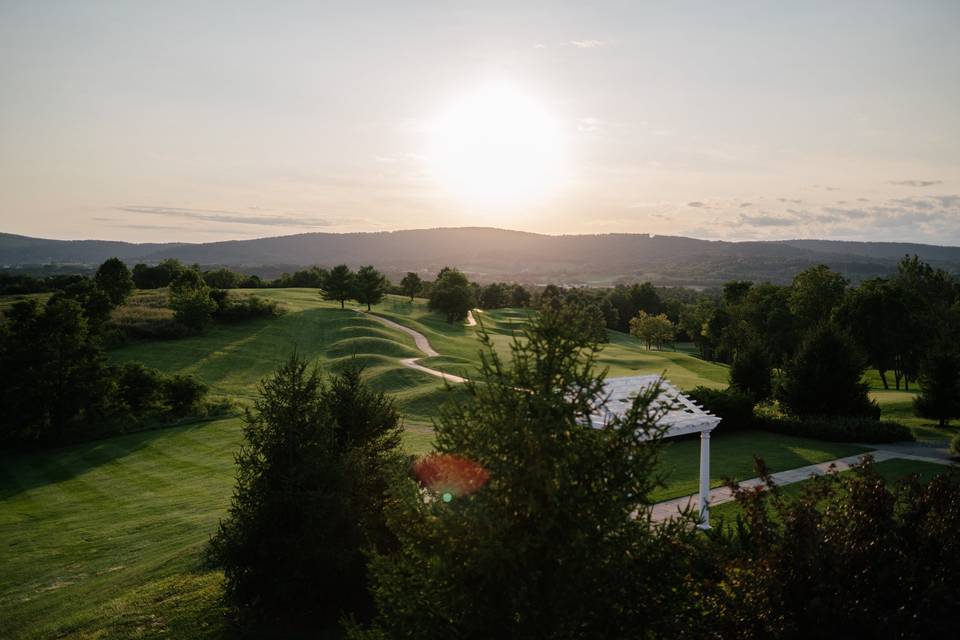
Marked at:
<point>449,475</point>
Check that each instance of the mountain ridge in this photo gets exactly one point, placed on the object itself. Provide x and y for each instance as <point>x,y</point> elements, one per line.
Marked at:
<point>492,253</point>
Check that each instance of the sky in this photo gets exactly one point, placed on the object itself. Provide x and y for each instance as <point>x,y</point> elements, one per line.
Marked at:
<point>199,121</point>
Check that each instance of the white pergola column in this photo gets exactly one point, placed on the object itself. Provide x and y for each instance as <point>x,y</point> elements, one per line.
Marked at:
<point>704,501</point>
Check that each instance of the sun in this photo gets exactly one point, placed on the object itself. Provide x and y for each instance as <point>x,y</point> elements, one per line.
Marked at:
<point>496,145</point>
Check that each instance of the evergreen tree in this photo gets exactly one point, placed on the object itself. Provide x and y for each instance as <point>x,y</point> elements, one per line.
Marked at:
<point>308,501</point>
<point>825,377</point>
<point>752,372</point>
<point>370,286</point>
<point>532,524</point>
<point>939,397</point>
<point>339,284</point>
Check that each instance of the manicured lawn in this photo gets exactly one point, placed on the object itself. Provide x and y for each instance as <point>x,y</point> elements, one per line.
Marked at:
<point>731,456</point>
<point>105,539</point>
<point>891,470</point>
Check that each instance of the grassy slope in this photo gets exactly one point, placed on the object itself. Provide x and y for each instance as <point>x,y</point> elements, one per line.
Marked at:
<point>104,539</point>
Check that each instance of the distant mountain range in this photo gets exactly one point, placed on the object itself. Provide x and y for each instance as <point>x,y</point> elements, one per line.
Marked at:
<point>497,254</point>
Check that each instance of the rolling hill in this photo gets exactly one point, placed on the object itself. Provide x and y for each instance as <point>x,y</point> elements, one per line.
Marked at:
<point>493,254</point>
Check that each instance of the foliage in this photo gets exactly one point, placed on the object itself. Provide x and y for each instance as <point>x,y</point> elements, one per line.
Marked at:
<point>815,293</point>
<point>308,500</point>
<point>190,300</point>
<point>239,309</point>
<point>939,397</point>
<point>338,284</point>
<point>825,378</point>
<point>734,406</point>
<point>411,285</point>
<point>837,429</point>
<point>223,278</point>
<point>752,372</point>
<point>95,302</point>
<point>452,295</point>
<point>53,374</point>
<point>182,393</point>
<point>114,279</point>
<point>370,286</point>
<point>628,301</point>
<point>955,444</point>
<point>525,526</point>
<point>55,386</point>
<point>652,329</point>
<point>158,276</point>
<point>851,553</point>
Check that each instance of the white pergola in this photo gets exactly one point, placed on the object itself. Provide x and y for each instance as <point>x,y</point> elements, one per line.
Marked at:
<point>681,416</point>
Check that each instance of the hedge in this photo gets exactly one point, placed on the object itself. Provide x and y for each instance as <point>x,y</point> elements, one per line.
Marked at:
<point>838,429</point>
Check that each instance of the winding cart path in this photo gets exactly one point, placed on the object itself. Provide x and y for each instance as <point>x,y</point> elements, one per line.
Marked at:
<point>424,345</point>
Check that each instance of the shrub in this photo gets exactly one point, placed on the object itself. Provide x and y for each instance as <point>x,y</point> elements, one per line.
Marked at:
<point>850,553</point>
<point>733,405</point>
<point>139,387</point>
<point>838,429</point>
<point>247,308</point>
<point>955,444</point>
<point>190,300</point>
<point>182,393</point>
<point>309,500</point>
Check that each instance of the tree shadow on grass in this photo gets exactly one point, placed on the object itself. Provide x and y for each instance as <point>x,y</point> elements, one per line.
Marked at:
<point>26,470</point>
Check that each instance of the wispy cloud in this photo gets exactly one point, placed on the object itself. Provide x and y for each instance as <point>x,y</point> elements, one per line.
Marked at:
<point>769,221</point>
<point>915,183</point>
<point>232,217</point>
<point>589,44</point>
<point>696,204</point>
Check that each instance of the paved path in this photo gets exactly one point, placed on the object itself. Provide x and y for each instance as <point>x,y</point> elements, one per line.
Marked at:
<point>423,344</point>
<point>665,510</point>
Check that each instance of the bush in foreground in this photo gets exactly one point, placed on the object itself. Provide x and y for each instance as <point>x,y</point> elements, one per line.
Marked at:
<point>851,556</point>
<point>308,500</point>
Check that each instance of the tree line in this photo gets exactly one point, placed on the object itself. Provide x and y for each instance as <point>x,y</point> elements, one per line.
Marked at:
<point>55,383</point>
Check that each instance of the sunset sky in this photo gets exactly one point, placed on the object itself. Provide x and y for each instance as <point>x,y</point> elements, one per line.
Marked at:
<point>174,121</point>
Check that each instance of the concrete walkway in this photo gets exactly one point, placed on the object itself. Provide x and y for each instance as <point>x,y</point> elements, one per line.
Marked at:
<point>671,508</point>
<point>424,345</point>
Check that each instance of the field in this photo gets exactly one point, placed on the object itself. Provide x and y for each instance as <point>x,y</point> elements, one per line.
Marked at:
<point>105,539</point>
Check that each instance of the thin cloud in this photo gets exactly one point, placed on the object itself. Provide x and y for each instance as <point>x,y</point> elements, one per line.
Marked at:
<point>768,221</point>
<point>588,125</point>
<point>231,217</point>
<point>588,44</point>
<point>746,204</point>
<point>696,204</point>
<point>915,183</point>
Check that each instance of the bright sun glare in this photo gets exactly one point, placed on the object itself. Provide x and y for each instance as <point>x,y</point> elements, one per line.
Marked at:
<point>496,145</point>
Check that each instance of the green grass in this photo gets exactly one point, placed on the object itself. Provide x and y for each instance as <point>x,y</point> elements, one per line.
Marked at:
<point>890,470</point>
<point>232,358</point>
<point>731,457</point>
<point>105,539</point>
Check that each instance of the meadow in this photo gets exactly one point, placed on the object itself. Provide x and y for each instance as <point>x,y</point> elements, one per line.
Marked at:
<point>106,538</point>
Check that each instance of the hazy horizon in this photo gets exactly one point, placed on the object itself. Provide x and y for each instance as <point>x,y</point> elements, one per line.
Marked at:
<point>740,121</point>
